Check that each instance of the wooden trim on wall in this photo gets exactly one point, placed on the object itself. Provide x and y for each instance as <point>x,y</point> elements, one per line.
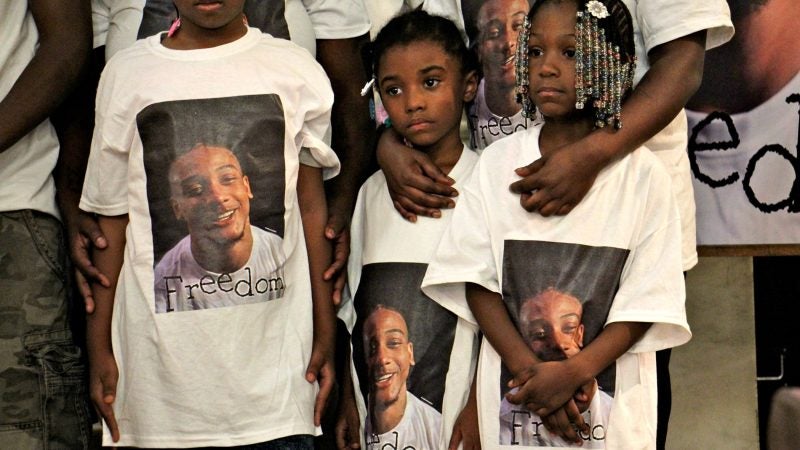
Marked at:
<point>749,250</point>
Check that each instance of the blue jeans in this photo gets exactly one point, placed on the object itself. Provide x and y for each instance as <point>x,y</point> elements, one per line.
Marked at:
<point>43,402</point>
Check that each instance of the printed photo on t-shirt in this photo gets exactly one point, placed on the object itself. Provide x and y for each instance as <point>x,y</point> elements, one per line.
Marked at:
<point>558,296</point>
<point>215,187</point>
<point>493,27</point>
<point>402,342</point>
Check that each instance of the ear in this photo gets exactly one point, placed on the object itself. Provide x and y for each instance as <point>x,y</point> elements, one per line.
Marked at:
<point>470,86</point>
<point>247,185</point>
<point>579,336</point>
<point>411,352</point>
<point>176,209</point>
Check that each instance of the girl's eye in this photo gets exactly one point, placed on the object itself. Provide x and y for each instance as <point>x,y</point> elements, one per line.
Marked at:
<point>431,82</point>
<point>535,51</point>
<point>569,53</point>
<point>393,90</point>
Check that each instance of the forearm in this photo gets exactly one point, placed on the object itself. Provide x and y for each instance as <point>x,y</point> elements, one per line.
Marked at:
<point>109,260</point>
<point>65,36</point>
<point>615,339</point>
<point>676,70</point>
<point>353,135</point>
<point>314,214</point>
<point>496,325</point>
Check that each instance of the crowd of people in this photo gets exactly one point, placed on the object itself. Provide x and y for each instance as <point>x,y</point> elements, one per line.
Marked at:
<point>187,184</point>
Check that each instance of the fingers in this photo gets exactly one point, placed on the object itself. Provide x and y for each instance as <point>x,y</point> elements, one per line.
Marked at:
<point>103,395</point>
<point>455,439</point>
<point>529,181</point>
<point>321,371</point>
<point>341,251</point>
<point>429,208</point>
<point>85,291</point>
<point>558,423</point>
<point>575,417</point>
<point>409,216</point>
<point>338,287</point>
<point>432,171</point>
<point>346,434</point>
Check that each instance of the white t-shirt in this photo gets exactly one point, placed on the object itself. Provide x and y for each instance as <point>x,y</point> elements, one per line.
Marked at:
<point>221,376</point>
<point>182,285</point>
<point>388,259</point>
<point>743,179</point>
<point>26,166</point>
<point>417,430</point>
<point>487,127</point>
<point>602,253</point>
<point>520,426</point>
<point>115,24</point>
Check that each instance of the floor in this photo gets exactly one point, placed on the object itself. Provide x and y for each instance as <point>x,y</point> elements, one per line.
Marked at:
<point>714,375</point>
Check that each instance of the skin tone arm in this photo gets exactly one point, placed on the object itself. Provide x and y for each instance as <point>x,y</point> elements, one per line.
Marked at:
<point>73,123</point>
<point>496,325</point>
<point>347,426</point>
<point>559,181</point>
<point>352,140</point>
<point>314,213</point>
<point>465,430</point>
<point>49,77</point>
<point>103,373</point>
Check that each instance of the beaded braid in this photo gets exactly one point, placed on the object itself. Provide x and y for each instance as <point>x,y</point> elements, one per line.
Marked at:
<point>601,77</point>
<point>521,70</point>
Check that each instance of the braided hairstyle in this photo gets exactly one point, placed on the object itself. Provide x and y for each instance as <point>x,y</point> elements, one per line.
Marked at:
<point>605,59</point>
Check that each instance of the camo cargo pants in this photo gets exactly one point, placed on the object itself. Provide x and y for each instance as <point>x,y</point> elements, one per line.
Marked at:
<point>42,392</point>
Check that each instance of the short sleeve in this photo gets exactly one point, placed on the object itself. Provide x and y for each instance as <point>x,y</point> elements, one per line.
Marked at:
<point>105,188</point>
<point>464,254</point>
<point>665,21</point>
<point>314,139</point>
<point>337,19</point>
<point>652,285</point>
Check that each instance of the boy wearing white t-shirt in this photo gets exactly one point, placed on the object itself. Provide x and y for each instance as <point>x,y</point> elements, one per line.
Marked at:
<point>232,372</point>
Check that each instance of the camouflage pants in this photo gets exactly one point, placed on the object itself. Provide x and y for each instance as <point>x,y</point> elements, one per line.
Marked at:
<point>42,391</point>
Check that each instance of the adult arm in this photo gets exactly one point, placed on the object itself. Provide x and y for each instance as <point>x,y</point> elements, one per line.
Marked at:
<point>352,140</point>
<point>74,121</point>
<point>417,186</point>
<point>103,373</point>
<point>314,213</point>
<point>65,39</point>
<point>556,183</point>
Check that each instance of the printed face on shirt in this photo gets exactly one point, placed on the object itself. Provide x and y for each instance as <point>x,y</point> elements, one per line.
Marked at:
<point>389,356</point>
<point>551,325</point>
<point>211,194</point>
<point>499,22</point>
<point>422,89</point>
<point>551,59</point>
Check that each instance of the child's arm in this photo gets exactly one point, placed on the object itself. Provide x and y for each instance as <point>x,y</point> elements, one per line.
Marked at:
<point>562,179</point>
<point>465,429</point>
<point>314,214</point>
<point>103,372</point>
<point>496,325</point>
<point>348,426</point>
<point>550,382</point>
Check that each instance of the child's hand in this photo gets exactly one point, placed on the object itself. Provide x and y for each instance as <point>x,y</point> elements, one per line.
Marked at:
<point>543,387</point>
<point>103,376</point>
<point>566,422</point>
<point>348,426</point>
<point>337,231</point>
<point>465,430</point>
<point>321,369</point>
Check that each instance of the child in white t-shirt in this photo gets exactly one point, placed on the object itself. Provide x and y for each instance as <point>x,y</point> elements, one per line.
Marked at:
<point>208,157</point>
<point>618,252</point>
<point>412,359</point>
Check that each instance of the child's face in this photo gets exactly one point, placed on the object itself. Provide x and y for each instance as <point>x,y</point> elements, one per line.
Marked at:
<point>423,91</point>
<point>210,16</point>
<point>551,59</point>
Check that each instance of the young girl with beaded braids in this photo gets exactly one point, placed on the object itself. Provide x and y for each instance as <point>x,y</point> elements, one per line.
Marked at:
<point>572,308</point>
